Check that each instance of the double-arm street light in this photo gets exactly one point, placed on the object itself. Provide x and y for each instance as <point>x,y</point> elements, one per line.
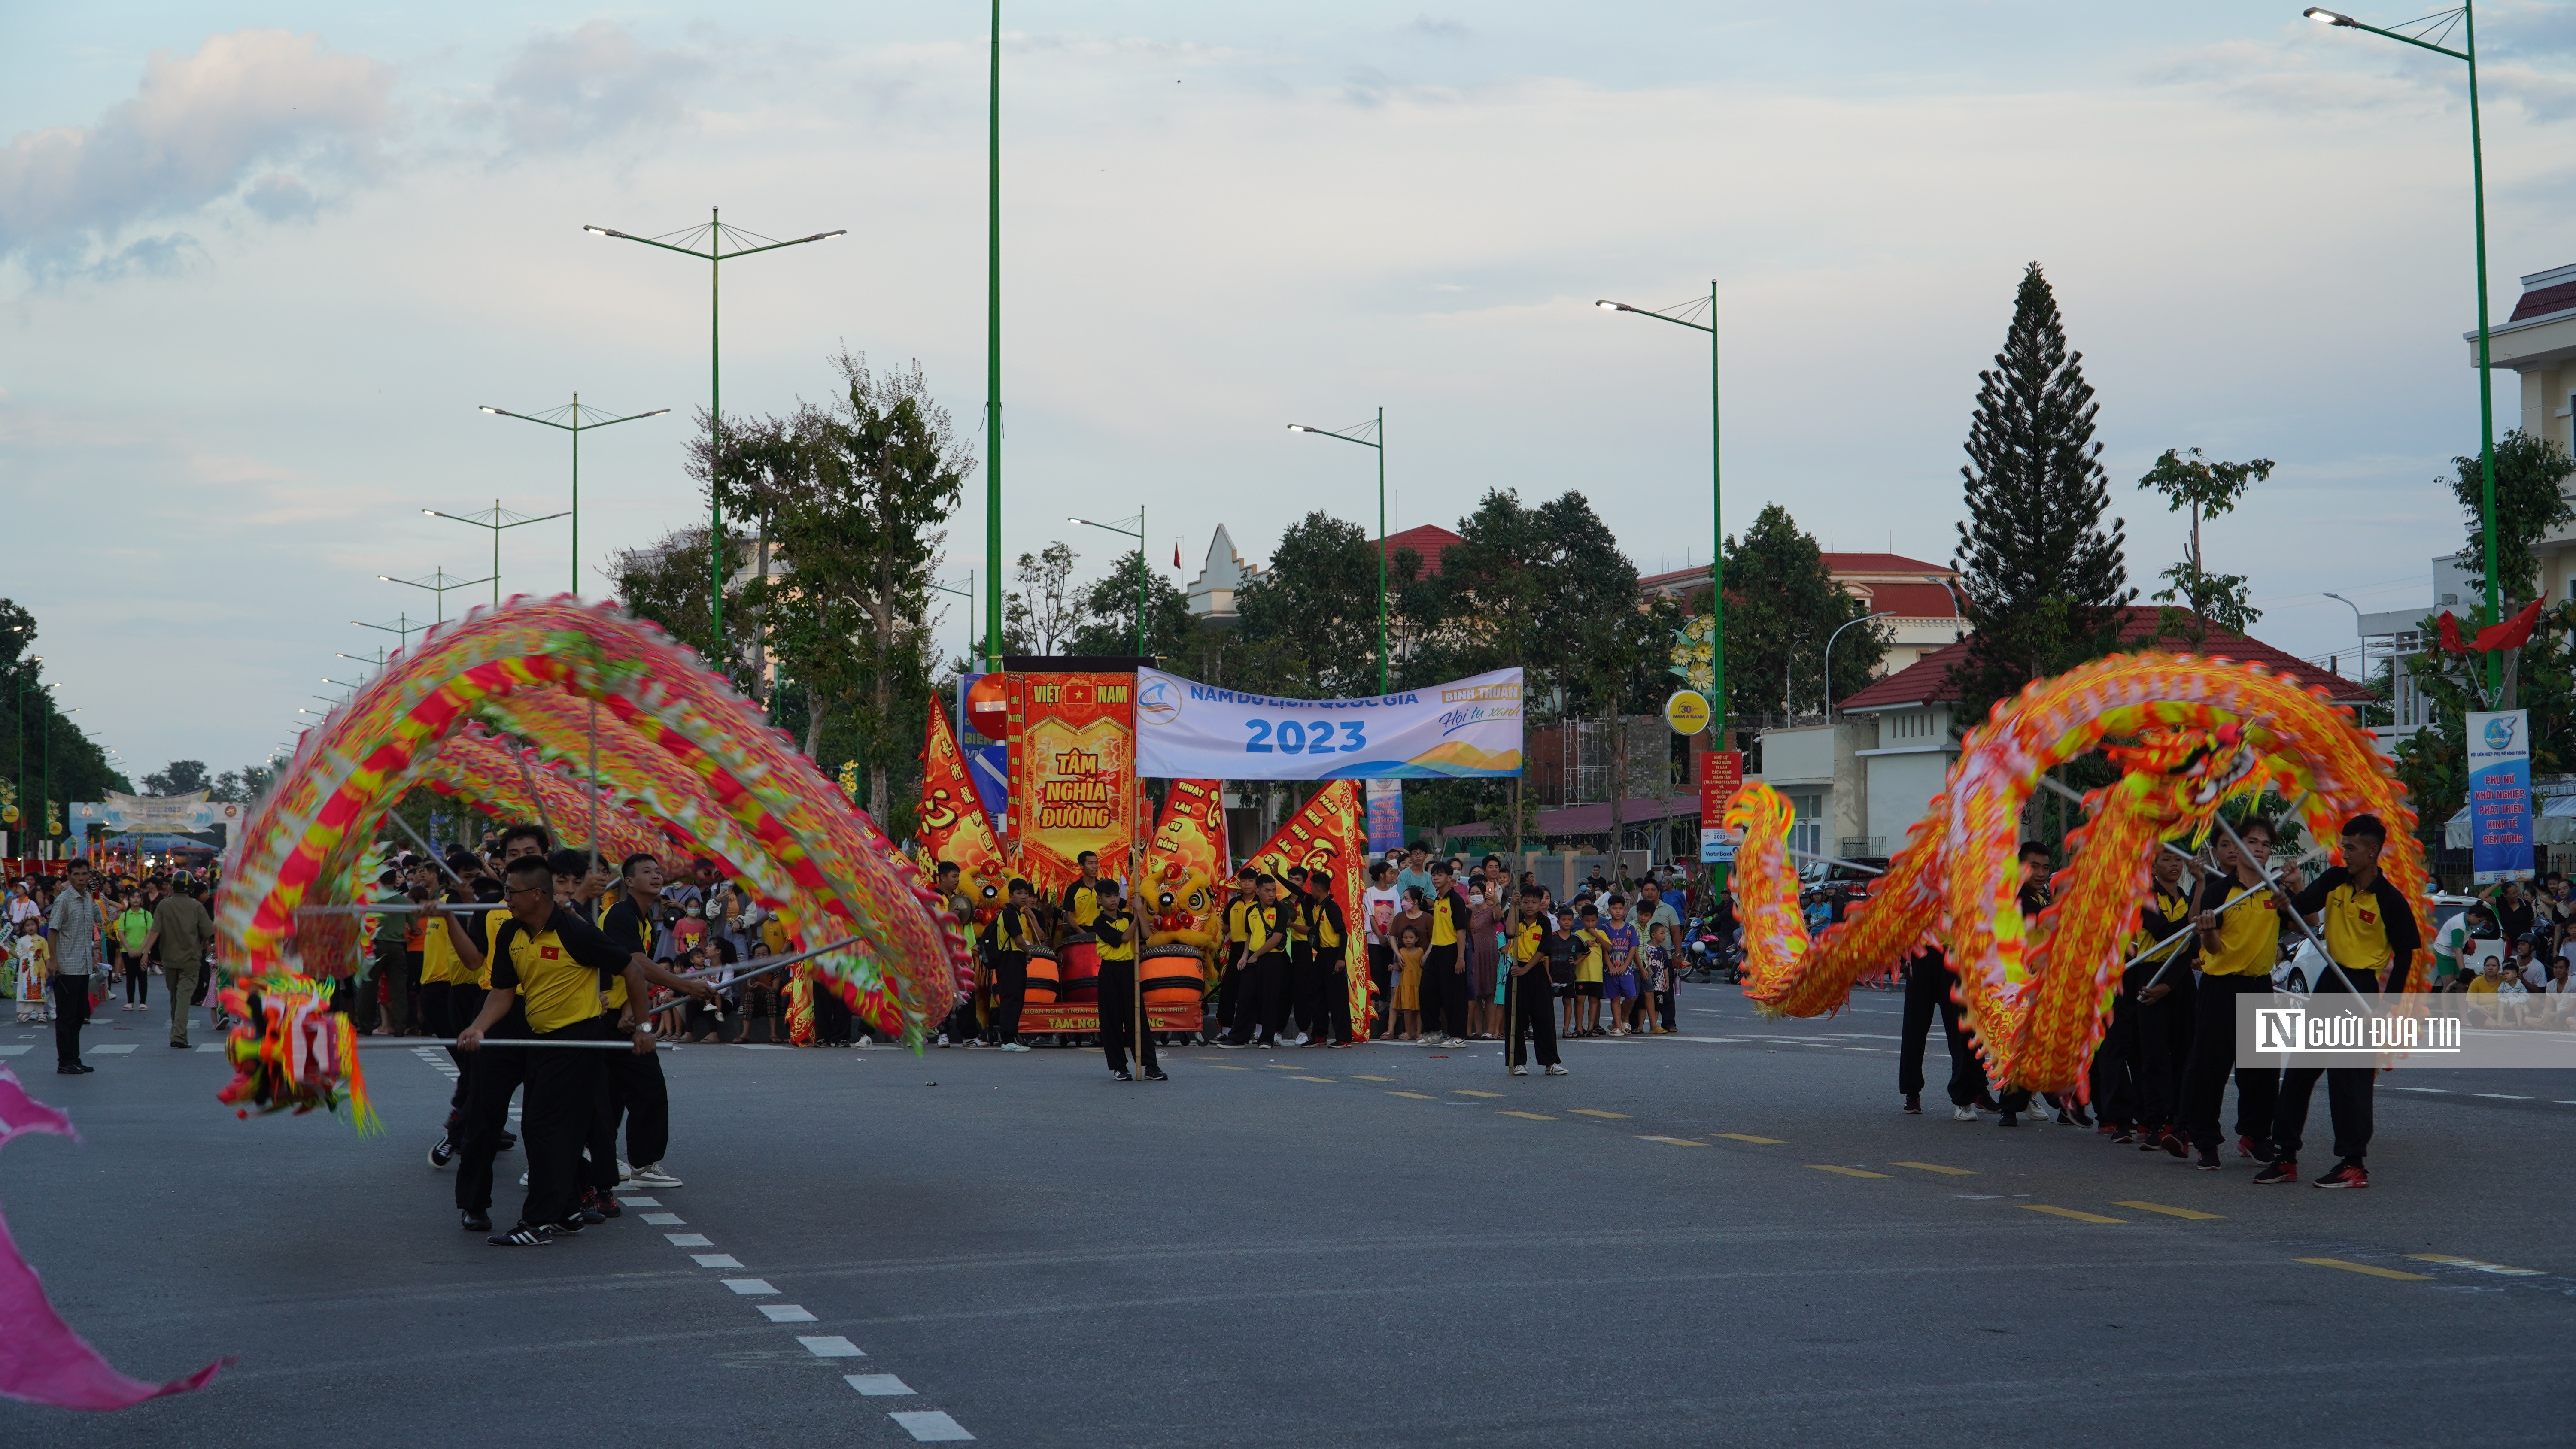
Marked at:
<point>402,628</point>
<point>2430,31</point>
<point>1137,533</point>
<point>1690,314</point>
<point>569,419</point>
<point>437,583</point>
<point>717,237</point>
<point>500,521</point>
<point>1375,438</point>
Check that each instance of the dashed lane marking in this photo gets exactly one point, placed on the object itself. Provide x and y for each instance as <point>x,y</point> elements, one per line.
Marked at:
<point>1471,1092</point>
<point>2482,1267</point>
<point>2171,1212</point>
<point>108,1051</point>
<point>786,1313</point>
<point>1279,1066</point>
<point>689,1240</point>
<point>638,1201</point>
<point>715,1260</point>
<point>1365,1077</point>
<point>2374,1272</point>
<point>1749,1137</point>
<point>929,1426</point>
<point>1674,1141</point>
<point>1533,1116</point>
<point>1310,1079</point>
<point>1936,1167</point>
<point>2492,1096</point>
<point>1845,1171</point>
<point>2068,1213</point>
<point>1597,1112</point>
<point>878,1386</point>
<point>15,1051</point>
<point>749,1287</point>
<point>663,1220</point>
<point>1222,1067</point>
<point>833,1346</point>
<point>1417,1096</point>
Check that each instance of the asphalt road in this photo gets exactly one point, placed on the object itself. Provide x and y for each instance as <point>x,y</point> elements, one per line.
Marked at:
<point>1730,1238</point>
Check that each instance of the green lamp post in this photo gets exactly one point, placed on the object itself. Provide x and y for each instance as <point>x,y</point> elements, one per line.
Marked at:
<point>1137,533</point>
<point>2430,32</point>
<point>437,583</point>
<point>570,420</point>
<point>497,520</point>
<point>1376,438</point>
<point>1690,314</point>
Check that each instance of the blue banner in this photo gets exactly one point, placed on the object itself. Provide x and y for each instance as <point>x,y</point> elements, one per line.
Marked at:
<point>1465,729</point>
<point>2500,833</point>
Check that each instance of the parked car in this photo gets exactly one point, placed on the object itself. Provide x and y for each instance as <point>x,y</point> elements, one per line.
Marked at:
<point>2306,966</point>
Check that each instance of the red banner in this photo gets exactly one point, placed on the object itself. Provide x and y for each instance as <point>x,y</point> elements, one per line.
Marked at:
<point>952,822</point>
<point>1073,774</point>
<point>1331,834</point>
<point>1187,862</point>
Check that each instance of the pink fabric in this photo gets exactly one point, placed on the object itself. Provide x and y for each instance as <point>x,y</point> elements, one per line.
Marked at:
<point>41,1360</point>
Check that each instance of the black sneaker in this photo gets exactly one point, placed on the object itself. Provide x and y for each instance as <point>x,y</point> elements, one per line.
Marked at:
<point>1123,1075</point>
<point>572,1224</point>
<point>1914,1104</point>
<point>2070,1110</point>
<point>2208,1160</point>
<point>442,1153</point>
<point>604,1204</point>
<point>1156,1074</point>
<point>2122,1137</point>
<point>2281,1171</point>
<point>1986,1103</point>
<point>2259,1151</point>
<point>2008,1119</point>
<point>508,1141</point>
<point>522,1236</point>
<point>474,1222</point>
<point>2345,1174</point>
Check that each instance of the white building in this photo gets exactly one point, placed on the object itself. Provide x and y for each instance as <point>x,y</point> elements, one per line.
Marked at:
<point>1211,594</point>
<point>1921,611</point>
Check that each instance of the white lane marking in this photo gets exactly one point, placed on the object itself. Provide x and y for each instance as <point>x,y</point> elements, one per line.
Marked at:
<point>2500,1096</point>
<point>2436,1091</point>
<point>878,1386</point>
<point>109,1051</point>
<point>765,1047</point>
<point>690,1240</point>
<point>749,1287</point>
<point>715,1260</point>
<point>640,1202</point>
<point>931,1426</point>
<point>832,1347</point>
<point>209,1046</point>
<point>664,1220</point>
<point>15,1051</point>
<point>786,1313</point>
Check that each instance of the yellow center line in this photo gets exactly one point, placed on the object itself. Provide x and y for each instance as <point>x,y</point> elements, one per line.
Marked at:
<point>1675,1141</point>
<point>1222,1067</point>
<point>2481,1266</point>
<point>1936,1167</point>
<point>2037,1207</point>
<point>2171,1212</point>
<point>1533,1116</point>
<point>1597,1112</point>
<point>1279,1066</point>
<point>1365,1077</point>
<point>2367,1268</point>
<point>1417,1096</point>
<point>1749,1137</point>
<point>1845,1171</point>
<point>1467,1092</point>
<point>1310,1079</point>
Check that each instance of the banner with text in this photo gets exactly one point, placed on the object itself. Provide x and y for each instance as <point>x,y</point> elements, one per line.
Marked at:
<point>2500,796</point>
<point>1073,776</point>
<point>1331,835</point>
<point>1466,729</point>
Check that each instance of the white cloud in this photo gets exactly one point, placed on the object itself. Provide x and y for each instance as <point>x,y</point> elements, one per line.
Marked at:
<point>566,92</point>
<point>197,126</point>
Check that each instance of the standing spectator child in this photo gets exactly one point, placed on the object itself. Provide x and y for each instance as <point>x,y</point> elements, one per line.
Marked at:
<point>1592,946</point>
<point>1619,967</point>
<point>1410,932</point>
<point>134,931</point>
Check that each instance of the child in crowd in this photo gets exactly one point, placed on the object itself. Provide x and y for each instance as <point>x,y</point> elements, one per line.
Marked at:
<point>1619,966</point>
<point>1411,932</point>
<point>1592,945</point>
<point>1654,977</point>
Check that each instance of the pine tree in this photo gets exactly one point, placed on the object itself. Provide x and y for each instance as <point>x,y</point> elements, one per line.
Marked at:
<point>2044,582</point>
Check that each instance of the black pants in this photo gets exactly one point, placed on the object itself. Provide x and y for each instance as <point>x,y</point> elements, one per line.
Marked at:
<point>1306,989</point>
<point>1229,987</point>
<point>138,982</point>
<point>1668,1000</point>
<point>1533,1022</point>
<point>564,1088</point>
<point>2349,1090</point>
<point>1263,1009</point>
<point>71,1010</point>
<point>401,992</point>
<point>438,1012</point>
<point>1337,1002</point>
<point>631,1087</point>
<point>1929,988</point>
<point>1444,983</point>
<point>498,1070</point>
<point>1381,969</point>
<point>831,1017</point>
<point>2213,1056</point>
<point>2161,1038</point>
<point>1010,992</point>
<point>365,1012</point>
<point>1118,1016</point>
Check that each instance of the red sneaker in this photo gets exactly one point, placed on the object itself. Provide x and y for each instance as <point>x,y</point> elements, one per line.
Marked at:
<point>2347,1174</point>
<point>2277,1174</point>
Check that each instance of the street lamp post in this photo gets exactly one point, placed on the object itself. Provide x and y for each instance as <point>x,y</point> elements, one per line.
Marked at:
<point>26,680</point>
<point>44,828</point>
<point>967,593</point>
<point>437,583</point>
<point>993,360</point>
<point>1829,657</point>
<point>1378,442</point>
<point>2437,27</point>
<point>402,628</point>
<point>1137,533</point>
<point>501,521</point>
<point>576,426</point>
<point>715,233</point>
<point>2362,638</point>
<point>1685,314</point>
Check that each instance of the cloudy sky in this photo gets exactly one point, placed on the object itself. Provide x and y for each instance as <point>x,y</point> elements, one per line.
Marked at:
<point>259,265</point>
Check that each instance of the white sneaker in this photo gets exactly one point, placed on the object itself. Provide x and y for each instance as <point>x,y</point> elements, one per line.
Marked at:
<point>1520,1071</point>
<point>523,1179</point>
<point>1556,1071</point>
<point>652,1175</point>
<point>1012,1046</point>
<point>1963,1114</point>
<point>625,1172</point>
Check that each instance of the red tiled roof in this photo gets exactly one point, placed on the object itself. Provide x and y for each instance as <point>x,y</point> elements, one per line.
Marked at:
<point>1851,568</point>
<point>1880,563</point>
<point>1427,540</point>
<point>2541,301</point>
<point>1912,601</point>
<point>1927,680</point>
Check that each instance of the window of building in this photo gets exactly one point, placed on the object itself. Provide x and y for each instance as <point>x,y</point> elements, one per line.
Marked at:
<point>1807,823</point>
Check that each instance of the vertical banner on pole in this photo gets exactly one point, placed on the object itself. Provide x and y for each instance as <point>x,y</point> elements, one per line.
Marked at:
<point>953,827</point>
<point>1722,774</point>
<point>2500,834</point>
<point>1073,773</point>
<point>1330,834</point>
<point>1386,815</point>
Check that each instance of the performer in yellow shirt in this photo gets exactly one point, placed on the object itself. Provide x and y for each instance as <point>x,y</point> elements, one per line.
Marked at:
<point>2238,949</point>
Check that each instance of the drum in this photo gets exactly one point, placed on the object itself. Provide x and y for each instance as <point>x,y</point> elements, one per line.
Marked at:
<point>1042,986</point>
<point>1173,977</point>
<point>1079,972</point>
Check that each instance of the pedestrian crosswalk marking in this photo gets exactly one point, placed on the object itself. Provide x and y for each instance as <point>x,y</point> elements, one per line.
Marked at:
<point>878,1386</point>
<point>2059,1212</point>
<point>1749,1137</point>
<point>2367,1268</point>
<point>1845,1171</point>
<point>931,1426</point>
<point>109,1051</point>
<point>749,1287</point>
<point>1936,1167</point>
<point>786,1313</point>
<point>2171,1212</point>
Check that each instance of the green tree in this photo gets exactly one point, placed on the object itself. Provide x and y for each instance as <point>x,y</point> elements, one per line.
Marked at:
<point>1531,587</point>
<point>2531,499</point>
<point>1109,614</point>
<point>1308,626</point>
<point>2195,598</point>
<point>2043,582</point>
<point>666,582</point>
<point>181,777</point>
<point>1046,605</point>
<point>1782,606</point>
<point>245,785</point>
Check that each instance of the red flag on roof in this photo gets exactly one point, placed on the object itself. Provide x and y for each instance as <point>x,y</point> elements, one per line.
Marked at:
<point>1176,553</point>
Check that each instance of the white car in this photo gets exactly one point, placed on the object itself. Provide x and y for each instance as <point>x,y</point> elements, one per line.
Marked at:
<point>2306,966</point>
